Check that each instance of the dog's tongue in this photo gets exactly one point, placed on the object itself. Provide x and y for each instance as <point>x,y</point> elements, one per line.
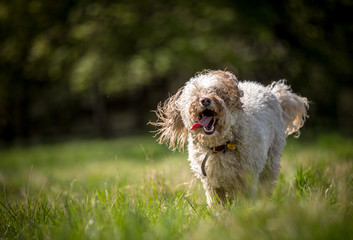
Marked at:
<point>202,123</point>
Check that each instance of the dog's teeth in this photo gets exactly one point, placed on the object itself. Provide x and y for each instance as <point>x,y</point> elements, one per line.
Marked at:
<point>209,130</point>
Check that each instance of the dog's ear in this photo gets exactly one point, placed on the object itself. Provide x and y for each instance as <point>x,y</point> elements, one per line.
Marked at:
<point>172,130</point>
<point>230,91</point>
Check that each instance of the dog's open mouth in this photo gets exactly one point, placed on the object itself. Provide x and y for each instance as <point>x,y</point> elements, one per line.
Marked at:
<point>207,121</point>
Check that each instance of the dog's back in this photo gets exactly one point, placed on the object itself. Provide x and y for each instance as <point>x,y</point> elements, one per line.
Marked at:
<point>262,101</point>
<point>264,124</point>
<point>272,112</point>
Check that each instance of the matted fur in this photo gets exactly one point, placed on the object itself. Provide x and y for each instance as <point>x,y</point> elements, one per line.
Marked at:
<point>171,128</point>
<point>255,118</point>
<point>293,106</point>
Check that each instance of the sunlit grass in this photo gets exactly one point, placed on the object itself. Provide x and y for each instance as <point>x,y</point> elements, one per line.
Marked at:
<point>133,188</point>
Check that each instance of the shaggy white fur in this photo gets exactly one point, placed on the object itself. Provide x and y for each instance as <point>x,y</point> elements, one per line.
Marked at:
<point>236,131</point>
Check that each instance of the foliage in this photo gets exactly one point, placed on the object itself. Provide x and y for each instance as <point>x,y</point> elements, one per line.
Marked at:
<point>106,189</point>
<point>70,67</point>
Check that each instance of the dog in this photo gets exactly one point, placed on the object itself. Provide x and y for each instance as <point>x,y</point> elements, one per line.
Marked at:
<point>236,131</point>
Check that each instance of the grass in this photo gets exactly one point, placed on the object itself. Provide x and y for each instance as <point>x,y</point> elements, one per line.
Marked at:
<point>133,188</point>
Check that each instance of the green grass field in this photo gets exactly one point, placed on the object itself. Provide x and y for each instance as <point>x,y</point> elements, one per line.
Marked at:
<point>133,188</point>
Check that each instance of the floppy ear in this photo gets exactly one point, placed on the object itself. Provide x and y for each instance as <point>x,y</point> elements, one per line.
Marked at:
<point>230,92</point>
<point>171,127</point>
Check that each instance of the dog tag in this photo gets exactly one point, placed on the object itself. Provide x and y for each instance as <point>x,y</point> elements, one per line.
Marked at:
<point>231,146</point>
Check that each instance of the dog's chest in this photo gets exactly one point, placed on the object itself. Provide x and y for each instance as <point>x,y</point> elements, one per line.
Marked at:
<point>222,169</point>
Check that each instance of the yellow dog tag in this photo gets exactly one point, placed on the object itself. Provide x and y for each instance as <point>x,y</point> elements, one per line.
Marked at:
<point>231,146</point>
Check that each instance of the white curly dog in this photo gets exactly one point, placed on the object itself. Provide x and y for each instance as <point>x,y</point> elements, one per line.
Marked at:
<point>236,131</point>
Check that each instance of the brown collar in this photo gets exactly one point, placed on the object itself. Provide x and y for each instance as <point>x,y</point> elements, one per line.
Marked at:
<point>221,148</point>
<point>224,147</point>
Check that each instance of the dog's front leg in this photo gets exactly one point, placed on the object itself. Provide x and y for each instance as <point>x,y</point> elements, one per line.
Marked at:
<point>215,196</point>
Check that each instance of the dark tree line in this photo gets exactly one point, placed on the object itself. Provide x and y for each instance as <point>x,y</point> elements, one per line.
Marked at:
<point>84,68</point>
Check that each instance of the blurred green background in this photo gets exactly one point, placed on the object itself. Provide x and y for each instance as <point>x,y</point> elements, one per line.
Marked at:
<point>72,69</point>
<point>75,72</point>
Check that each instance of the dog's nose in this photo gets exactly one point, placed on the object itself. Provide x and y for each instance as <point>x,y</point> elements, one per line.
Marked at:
<point>206,102</point>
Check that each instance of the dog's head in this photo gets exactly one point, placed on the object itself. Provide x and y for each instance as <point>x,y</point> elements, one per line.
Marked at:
<point>204,107</point>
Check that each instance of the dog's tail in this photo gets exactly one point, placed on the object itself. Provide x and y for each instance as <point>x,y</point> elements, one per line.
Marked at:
<point>294,107</point>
